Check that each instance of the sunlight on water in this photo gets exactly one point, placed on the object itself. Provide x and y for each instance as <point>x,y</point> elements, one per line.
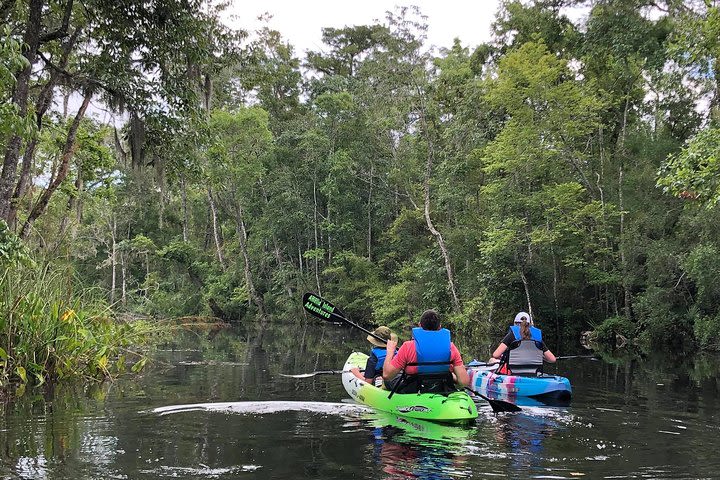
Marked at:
<point>202,471</point>
<point>260,408</point>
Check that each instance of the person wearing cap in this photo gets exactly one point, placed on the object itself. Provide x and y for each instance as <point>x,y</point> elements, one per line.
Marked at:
<point>523,350</point>
<point>429,354</point>
<point>374,365</point>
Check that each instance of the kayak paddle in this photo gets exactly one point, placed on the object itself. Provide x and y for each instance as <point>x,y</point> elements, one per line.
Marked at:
<point>324,310</point>
<point>318,372</point>
<point>496,405</point>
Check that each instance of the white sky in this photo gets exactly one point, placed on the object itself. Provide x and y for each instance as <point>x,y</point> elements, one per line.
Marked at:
<point>300,22</point>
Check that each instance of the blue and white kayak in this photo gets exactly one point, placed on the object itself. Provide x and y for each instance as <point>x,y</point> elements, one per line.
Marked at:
<point>483,379</point>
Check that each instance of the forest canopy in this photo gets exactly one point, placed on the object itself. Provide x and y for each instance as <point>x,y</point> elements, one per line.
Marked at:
<point>568,167</point>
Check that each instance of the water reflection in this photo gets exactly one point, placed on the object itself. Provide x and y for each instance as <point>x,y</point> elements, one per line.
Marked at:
<point>235,417</point>
<point>523,436</point>
<point>410,448</point>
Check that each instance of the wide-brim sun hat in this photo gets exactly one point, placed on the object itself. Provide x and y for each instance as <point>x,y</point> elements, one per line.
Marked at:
<point>520,315</point>
<point>384,333</point>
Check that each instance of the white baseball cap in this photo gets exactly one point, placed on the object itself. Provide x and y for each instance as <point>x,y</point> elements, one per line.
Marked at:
<point>519,317</point>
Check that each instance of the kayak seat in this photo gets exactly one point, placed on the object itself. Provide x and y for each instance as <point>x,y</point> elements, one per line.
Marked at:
<point>441,383</point>
<point>526,370</point>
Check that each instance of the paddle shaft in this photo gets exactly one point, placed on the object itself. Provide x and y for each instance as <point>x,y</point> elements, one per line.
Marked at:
<point>318,372</point>
<point>327,311</point>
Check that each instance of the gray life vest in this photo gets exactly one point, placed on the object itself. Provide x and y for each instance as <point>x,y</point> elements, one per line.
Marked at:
<point>527,356</point>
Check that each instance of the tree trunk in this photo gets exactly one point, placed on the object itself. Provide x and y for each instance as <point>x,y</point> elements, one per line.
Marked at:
<point>556,281</point>
<point>161,213</point>
<point>183,193</point>
<point>43,103</point>
<point>623,259</point>
<point>113,259</point>
<point>24,180</point>
<point>124,279</point>
<point>434,231</point>
<point>369,214</point>
<point>147,274</point>
<point>317,246</point>
<point>526,285</point>
<point>242,237</point>
<point>216,235</point>
<point>277,251</point>
<point>63,169</point>
<point>715,102</point>
<point>72,204</point>
<point>31,42</point>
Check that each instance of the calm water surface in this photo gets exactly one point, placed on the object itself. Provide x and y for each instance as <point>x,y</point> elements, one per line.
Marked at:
<point>630,420</point>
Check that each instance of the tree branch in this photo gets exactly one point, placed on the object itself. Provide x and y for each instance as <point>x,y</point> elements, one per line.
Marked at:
<point>78,80</point>
<point>63,30</point>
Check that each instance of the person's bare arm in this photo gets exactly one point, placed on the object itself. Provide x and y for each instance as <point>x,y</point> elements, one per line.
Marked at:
<point>461,375</point>
<point>389,371</point>
<point>497,354</point>
<point>549,356</point>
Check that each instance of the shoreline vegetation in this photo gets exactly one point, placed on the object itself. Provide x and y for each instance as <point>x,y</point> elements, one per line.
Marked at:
<point>52,329</point>
<point>567,167</point>
<point>49,331</point>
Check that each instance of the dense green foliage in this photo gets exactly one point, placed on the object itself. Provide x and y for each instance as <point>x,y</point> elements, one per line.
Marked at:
<point>50,331</point>
<point>561,168</point>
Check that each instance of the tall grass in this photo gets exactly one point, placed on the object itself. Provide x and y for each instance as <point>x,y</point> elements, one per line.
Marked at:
<point>50,331</point>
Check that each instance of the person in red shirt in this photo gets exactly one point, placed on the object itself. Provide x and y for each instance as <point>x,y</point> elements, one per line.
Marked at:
<point>437,355</point>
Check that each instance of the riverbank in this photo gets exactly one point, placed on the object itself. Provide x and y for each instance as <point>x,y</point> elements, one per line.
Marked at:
<point>52,329</point>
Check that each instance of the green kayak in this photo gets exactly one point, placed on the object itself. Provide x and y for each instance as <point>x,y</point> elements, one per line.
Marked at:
<point>456,407</point>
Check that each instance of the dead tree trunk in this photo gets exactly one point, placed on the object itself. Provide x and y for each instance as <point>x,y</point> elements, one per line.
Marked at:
<point>242,238</point>
<point>216,234</point>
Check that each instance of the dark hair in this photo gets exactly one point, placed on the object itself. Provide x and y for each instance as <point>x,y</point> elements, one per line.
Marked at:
<point>430,320</point>
<point>525,329</point>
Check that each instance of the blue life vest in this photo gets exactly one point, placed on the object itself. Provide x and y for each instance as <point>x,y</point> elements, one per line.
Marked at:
<point>380,353</point>
<point>432,346</point>
<point>535,333</point>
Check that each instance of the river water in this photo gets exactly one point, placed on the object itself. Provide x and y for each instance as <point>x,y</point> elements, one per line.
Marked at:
<point>218,409</point>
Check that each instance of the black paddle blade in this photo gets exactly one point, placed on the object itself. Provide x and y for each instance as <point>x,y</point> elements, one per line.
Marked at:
<point>322,309</point>
<point>499,405</point>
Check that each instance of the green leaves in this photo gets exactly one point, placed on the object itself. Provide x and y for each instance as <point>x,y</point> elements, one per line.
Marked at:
<point>12,250</point>
<point>694,172</point>
<point>238,147</point>
<point>20,371</point>
<point>11,62</point>
<point>52,332</point>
